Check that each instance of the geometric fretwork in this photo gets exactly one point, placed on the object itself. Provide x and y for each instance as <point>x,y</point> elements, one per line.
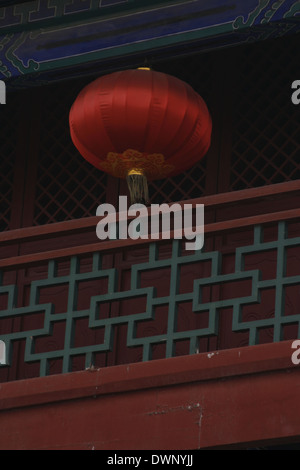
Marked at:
<point>67,187</point>
<point>187,185</point>
<point>266,130</point>
<point>279,283</point>
<point>6,188</point>
<point>9,127</point>
<point>194,296</point>
<point>191,183</point>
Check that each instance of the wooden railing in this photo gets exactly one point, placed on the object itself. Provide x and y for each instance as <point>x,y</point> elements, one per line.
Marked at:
<point>70,301</point>
<point>215,202</point>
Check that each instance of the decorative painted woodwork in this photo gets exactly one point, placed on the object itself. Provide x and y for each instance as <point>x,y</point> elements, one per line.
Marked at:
<point>43,40</point>
<point>79,310</point>
<point>50,182</point>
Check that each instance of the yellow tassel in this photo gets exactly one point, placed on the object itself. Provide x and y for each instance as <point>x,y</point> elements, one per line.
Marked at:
<point>138,186</point>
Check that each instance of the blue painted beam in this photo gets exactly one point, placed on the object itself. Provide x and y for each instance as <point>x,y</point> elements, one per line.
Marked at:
<point>49,38</point>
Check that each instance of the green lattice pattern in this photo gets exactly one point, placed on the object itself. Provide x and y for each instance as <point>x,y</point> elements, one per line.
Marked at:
<point>174,263</point>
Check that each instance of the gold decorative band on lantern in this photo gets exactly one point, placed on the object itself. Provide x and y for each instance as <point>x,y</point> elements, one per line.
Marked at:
<point>152,165</point>
<point>137,167</point>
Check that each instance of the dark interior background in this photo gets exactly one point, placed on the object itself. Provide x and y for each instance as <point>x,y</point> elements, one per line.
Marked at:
<point>256,133</point>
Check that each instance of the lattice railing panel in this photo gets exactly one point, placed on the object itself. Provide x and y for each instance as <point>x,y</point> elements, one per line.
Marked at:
<point>67,186</point>
<point>266,126</point>
<point>167,302</point>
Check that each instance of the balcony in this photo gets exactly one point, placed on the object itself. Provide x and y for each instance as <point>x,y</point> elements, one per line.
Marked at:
<point>120,316</point>
<point>141,344</point>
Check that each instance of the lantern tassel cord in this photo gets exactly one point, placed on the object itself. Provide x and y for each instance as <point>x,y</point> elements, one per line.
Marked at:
<point>138,187</point>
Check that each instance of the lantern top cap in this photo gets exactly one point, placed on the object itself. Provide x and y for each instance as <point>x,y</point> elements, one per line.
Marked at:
<point>144,68</point>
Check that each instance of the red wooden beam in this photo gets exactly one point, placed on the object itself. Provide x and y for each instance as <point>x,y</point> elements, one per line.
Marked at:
<point>237,398</point>
<point>217,227</point>
<point>84,224</point>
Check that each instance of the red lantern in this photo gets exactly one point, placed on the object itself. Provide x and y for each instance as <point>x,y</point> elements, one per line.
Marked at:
<point>140,124</point>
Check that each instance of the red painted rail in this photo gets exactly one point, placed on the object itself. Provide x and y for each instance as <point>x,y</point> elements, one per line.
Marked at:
<point>86,224</point>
